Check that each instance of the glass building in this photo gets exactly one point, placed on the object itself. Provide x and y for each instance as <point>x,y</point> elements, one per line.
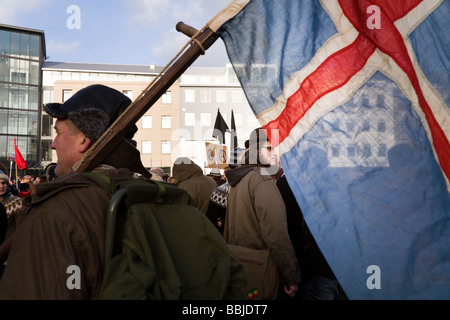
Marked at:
<point>22,53</point>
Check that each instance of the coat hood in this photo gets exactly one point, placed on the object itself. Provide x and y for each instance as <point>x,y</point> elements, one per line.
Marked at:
<point>185,168</point>
<point>235,175</point>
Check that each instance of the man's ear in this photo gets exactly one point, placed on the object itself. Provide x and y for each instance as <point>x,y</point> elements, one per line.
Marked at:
<point>85,144</point>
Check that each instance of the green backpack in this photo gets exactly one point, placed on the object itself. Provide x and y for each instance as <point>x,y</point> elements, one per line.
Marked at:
<point>159,246</point>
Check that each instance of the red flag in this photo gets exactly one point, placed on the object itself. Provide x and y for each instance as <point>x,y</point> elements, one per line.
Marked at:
<point>19,159</point>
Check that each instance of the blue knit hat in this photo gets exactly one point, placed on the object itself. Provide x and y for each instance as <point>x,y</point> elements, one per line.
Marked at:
<point>4,176</point>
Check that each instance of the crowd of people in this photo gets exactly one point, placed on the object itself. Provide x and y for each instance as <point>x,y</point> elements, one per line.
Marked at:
<point>45,224</point>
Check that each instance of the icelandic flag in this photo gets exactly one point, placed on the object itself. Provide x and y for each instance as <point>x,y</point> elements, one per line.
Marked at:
<point>355,95</point>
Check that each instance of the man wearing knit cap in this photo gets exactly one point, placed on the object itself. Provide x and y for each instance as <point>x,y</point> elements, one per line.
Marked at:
<point>65,223</point>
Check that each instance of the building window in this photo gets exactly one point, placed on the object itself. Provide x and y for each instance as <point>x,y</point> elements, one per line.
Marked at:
<point>205,119</point>
<point>351,151</point>
<point>3,121</point>
<point>47,125</point>
<point>67,93</point>
<point>335,152</point>
<point>33,98</point>
<point>381,126</point>
<point>165,147</point>
<point>205,95</point>
<point>189,119</point>
<point>4,69</point>
<point>166,98</point>
<point>350,126</point>
<point>366,151</point>
<point>146,147</point>
<point>221,96</point>
<point>382,150</point>
<point>146,122</point>
<point>189,95</point>
<point>166,122</point>
<point>366,126</point>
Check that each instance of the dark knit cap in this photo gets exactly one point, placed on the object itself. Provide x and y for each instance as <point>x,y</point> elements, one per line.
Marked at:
<point>92,109</point>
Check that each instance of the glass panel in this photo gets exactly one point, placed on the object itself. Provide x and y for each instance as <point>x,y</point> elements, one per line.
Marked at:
<point>46,151</point>
<point>34,47</point>
<point>4,121</point>
<point>146,147</point>
<point>166,122</point>
<point>24,45</point>
<point>4,42</point>
<point>14,94</point>
<point>23,98</point>
<point>189,95</point>
<point>15,44</point>
<point>47,125</point>
<point>189,119</point>
<point>34,73</point>
<point>33,98</point>
<point>16,75</point>
<point>4,69</point>
<point>13,122</point>
<point>146,122</point>
<point>3,149</point>
<point>165,147</point>
<point>4,92</point>
<point>32,123</point>
<point>23,122</point>
<point>205,95</point>
<point>31,149</point>
<point>166,98</point>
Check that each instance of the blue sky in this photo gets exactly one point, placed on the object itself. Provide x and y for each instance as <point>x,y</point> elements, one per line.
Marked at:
<point>116,31</point>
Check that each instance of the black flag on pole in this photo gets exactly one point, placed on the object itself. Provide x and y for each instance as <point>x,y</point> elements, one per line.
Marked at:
<point>234,139</point>
<point>220,127</point>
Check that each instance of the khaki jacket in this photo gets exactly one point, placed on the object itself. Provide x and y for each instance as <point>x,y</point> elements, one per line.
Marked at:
<point>256,218</point>
<point>190,177</point>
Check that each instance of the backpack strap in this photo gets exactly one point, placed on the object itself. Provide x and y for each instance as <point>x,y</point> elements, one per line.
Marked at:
<point>101,179</point>
<point>117,189</point>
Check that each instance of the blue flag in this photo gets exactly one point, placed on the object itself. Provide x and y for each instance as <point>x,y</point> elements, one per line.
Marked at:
<point>355,96</point>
